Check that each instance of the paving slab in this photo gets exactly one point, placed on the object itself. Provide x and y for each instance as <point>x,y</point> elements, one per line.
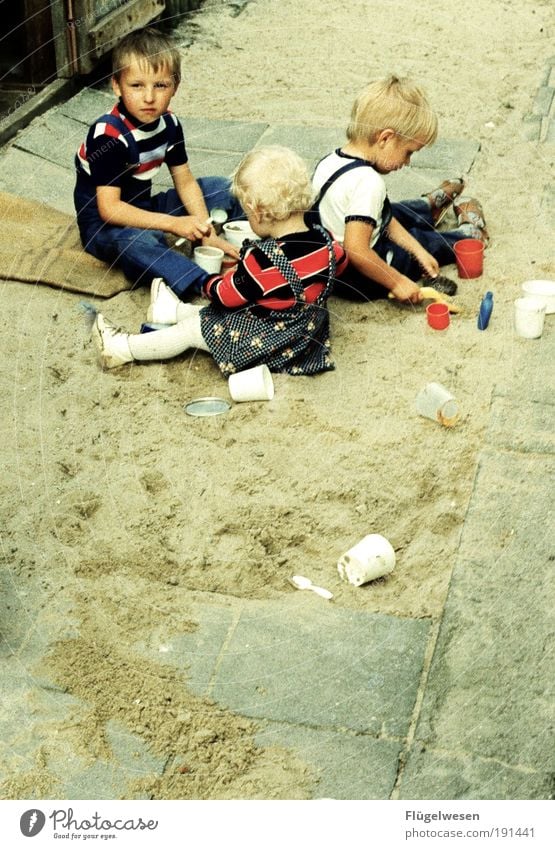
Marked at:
<point>28,715</point>
<point>437,775</point>
<point>534,379</point>
<point>131,760</point>
<point>312,143</point>
<point>452,156</point>
<point>207,163</point>
<point>196,652</point>
<point>521,425</point>
<point>15,621</point>
<point>491,687</point>
<point>238,136</point>
<point>203,163</point>
<point>410,183</point>
<point>548,196</point>
<point>36,725</point>
<point>29,176</point>
<point>304,662</point>
<point>87,105</point>
<point>54,138</point>
<point>531,129</point>
<point>28,623</point>
<point>36,716</point>
<point>346,766</point>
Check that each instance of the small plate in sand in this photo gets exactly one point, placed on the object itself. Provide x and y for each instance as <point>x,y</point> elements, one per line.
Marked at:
<point>207,407</point>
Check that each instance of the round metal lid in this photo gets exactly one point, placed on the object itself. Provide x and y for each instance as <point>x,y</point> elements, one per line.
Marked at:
<point>207,406</point>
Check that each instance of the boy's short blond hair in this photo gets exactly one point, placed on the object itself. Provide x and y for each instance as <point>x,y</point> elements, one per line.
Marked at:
<point>150,46</point>
<point>273,181</point>
<point>394,103</point>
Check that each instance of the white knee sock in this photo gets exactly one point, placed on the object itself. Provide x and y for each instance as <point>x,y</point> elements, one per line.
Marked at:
<point>185,310</point>
<point>170,341</point>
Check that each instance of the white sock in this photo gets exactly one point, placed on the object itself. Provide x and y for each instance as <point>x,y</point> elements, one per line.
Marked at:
<point>185,310</point>
<point>170,341</point>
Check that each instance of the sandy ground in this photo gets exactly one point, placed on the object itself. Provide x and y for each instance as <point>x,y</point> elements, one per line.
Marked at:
<point>117,507</point>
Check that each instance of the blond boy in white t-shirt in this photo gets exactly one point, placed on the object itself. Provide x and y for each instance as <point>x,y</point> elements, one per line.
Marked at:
<point>390,245</point>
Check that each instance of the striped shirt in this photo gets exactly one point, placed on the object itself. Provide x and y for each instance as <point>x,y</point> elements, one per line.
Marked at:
<point>257,282</point>
<point>105,157</point>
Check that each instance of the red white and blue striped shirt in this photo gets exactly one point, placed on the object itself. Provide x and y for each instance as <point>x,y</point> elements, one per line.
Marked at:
<point>105,158</point>
<point>258,283</point>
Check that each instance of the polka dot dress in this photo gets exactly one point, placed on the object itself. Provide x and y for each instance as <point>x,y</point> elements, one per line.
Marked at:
<point>293,340</point>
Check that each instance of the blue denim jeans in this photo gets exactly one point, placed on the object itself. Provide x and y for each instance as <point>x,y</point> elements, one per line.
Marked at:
<point>144,254</point>
<point>416,217</point>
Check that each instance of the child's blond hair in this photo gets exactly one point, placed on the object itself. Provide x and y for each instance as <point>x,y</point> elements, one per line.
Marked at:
<point>273,181</point>
<point>394,103</point>
<point>150,46</point>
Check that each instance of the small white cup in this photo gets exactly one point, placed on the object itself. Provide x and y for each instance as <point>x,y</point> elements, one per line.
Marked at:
<point>436,402</point>
<point>369,559</point>
<point>529,317</point>
<point>210,259</point>
<point>542,289</point>
<point>235,232</point>
<point>253,384</point>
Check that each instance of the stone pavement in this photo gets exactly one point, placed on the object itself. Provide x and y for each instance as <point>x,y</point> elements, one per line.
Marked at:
<point>462,708</point>
<point>540,123</point>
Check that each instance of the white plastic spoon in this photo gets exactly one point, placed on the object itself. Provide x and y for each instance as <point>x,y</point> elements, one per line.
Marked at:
<point>302,583</point>
<point>217,216</point>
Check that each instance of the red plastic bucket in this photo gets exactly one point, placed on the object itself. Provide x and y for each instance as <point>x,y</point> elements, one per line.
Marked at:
<point>469,254</point>
<point>438,316</point>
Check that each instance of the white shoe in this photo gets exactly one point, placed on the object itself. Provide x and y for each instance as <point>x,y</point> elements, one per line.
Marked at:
<point>112,345</point>
<point>163,303</point>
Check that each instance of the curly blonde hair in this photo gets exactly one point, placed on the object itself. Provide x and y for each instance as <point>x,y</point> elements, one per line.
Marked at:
<point>393,103</point>
<point>150,46</point>
<point>273,181</point>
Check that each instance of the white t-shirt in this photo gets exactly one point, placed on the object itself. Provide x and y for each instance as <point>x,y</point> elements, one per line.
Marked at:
<point>358,194</point>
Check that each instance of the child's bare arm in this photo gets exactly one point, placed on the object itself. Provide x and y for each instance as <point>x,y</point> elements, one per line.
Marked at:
<point>189,191</point>
<point>190,195</point>
<point>367,261</point>
<point>115,211</point>
<point>403,238</point>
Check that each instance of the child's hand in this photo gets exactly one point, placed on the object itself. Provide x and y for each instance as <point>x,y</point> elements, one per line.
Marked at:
<point>217,242</point>
<point>190,227</point>
<point>428,263</point>
<point>406,290</point>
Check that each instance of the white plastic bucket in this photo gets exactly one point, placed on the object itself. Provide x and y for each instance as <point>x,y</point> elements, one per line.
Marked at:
<point>371,558</point>
<point>529,317</point>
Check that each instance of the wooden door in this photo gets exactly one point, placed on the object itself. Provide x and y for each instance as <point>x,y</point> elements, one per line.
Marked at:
<point>85,30</point>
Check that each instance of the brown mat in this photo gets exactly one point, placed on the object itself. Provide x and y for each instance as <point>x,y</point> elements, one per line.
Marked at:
<point>39,244</point>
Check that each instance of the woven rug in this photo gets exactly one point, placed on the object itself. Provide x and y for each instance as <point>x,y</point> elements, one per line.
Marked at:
<point>39,244</point>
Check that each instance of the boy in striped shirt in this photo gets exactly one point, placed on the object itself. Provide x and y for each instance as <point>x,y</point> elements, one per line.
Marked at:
<point>120,221</point>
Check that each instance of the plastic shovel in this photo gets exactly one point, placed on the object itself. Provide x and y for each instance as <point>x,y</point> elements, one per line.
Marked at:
<point>431,294</point>
<point>302,583</point>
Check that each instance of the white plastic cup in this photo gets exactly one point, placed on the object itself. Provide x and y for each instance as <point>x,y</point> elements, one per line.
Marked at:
<point>253,384</point>
<point>210,259</point>
<point>235,232</point>
<point>542,289</point>
<point>529,317</point>
<point>437,403</point>
<point>369,559</point>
